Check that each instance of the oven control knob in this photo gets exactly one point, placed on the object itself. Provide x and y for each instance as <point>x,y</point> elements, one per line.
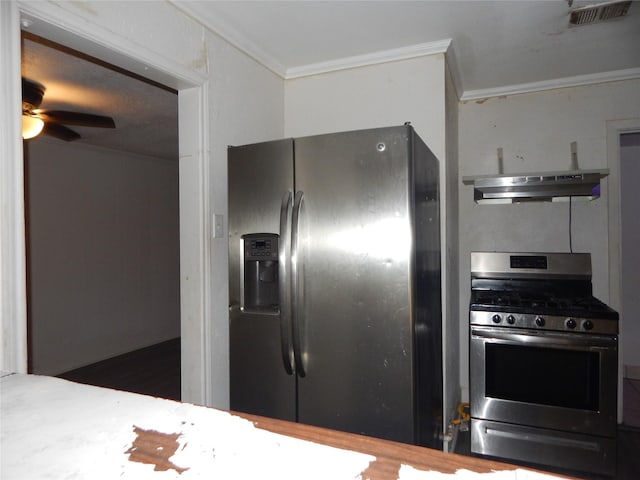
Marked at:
<point>570,323</point>
<point>540,321</point>
<point>496,318</point>
<point>511,319</point>
<point>588,325</point>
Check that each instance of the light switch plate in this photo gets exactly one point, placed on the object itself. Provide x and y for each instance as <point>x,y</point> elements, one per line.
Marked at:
<point>218,225</point>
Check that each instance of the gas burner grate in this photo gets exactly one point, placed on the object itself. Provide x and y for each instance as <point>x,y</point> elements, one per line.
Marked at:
<point>538,302</point>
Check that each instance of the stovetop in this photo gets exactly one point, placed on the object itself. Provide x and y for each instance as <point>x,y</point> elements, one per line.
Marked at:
<point>538,311</point>
<point>540,303</point>
<point>541,291</point>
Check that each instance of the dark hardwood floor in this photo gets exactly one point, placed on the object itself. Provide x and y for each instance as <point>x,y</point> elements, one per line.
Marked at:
<point>154,370</point>
<point>629,432</point>
<point>628,453</point>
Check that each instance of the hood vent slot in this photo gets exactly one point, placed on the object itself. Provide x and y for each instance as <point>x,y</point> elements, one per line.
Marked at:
<point>550,187</point>
<point>599,13</point>
<point>532,187</point>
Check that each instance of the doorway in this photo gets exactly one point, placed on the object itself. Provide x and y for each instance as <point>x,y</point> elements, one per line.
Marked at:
<point>630,275</point>
<point>193,111</point>
<point>103,227</point>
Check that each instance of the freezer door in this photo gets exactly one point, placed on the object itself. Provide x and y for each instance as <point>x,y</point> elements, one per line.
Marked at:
<point>260,176</point>
<point>354,277</point>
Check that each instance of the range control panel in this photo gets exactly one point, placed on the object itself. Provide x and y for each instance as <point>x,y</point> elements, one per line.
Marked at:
<point>545,322</point>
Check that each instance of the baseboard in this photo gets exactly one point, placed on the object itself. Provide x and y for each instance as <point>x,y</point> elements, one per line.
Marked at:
<point>632,371</point>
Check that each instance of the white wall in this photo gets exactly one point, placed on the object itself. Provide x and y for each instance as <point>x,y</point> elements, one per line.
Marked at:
<point>535,130</point>
<point>372,96</point>
<point>630,219</point>
<point>419,91</point>
<point>246,106</point>
<point>104,253</point>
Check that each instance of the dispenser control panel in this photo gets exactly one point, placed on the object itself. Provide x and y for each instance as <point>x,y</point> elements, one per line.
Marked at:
<point>260,274</point>
<point>261,247</point>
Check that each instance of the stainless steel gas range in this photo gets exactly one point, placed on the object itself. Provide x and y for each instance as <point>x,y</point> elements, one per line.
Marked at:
<point>543,362</point>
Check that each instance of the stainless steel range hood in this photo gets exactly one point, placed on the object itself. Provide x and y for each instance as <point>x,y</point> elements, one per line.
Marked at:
<point>551,186</point>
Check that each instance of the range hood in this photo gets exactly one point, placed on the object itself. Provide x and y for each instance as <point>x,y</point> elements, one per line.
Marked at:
<point>551,186</point>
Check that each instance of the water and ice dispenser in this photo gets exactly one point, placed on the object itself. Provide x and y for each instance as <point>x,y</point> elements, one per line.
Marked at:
<point>260,273</point>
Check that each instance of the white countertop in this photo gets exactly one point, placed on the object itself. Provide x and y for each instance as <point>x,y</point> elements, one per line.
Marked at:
<point>52,428</point>
<point>56,429</point>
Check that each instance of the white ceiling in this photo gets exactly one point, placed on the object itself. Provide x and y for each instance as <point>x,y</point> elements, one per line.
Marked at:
<point>493,47</point>
<point>145,115</point>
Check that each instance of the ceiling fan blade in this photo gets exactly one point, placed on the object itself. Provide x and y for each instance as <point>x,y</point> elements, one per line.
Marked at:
<point>60,131</point>
<point>76,118</point>
<point>32,93</point>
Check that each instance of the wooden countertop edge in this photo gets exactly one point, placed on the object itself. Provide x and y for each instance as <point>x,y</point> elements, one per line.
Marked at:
<point>389,455</point>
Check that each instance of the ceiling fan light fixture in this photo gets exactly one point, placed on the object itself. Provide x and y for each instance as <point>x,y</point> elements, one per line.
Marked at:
<point>35,118</point>
<point>31,126</point>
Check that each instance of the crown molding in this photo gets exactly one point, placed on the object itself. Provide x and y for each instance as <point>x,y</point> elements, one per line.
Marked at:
<point>222,28</point>
<point>239,40</point>
<point>384,56</point>
<point>576,81</point>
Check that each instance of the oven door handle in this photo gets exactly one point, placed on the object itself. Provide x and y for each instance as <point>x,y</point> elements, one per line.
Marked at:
<point>546,338</point>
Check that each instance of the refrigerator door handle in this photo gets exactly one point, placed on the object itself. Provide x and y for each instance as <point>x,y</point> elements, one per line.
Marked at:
<point>284,286</point>
<point>297,289</point>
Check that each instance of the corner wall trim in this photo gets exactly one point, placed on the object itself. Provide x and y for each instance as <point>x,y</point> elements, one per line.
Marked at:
<point>13,293</point>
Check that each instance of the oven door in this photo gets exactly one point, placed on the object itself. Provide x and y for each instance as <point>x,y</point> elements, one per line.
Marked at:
<point>543,379</point>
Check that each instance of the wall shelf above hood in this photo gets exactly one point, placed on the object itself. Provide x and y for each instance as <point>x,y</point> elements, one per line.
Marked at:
<point>527,187</point>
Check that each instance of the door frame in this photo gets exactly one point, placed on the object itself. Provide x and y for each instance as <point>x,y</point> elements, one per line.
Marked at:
<point>59,25</point>
<point>615,128</point>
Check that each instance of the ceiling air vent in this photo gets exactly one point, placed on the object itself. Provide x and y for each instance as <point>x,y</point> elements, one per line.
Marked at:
<point>599,12</point>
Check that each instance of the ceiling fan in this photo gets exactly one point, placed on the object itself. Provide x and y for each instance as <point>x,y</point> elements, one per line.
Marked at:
<point>52,122</point>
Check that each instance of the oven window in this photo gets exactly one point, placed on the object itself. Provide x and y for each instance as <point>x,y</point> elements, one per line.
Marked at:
<point>547,376</point>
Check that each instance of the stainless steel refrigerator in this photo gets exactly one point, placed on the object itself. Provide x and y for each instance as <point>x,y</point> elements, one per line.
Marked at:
<point>334,283</point>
